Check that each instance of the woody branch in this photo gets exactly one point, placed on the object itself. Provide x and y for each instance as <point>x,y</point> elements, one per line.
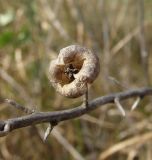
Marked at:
<point>55,117</point>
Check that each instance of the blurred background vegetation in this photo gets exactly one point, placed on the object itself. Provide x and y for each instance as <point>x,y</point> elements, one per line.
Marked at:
<point>31,34</point>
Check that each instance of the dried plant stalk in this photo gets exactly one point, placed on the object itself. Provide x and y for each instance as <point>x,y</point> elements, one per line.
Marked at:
<point>74,67</point>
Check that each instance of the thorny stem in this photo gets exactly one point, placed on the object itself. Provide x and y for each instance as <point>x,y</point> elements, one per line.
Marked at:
<point>6,126</point>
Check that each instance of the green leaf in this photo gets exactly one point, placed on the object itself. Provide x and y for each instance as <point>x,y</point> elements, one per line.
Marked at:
<point>6,38</point>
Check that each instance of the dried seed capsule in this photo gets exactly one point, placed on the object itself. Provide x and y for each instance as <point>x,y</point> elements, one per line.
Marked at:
<point>74,67</point>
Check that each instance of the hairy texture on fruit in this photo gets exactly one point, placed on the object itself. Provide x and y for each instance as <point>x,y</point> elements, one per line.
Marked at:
<point>74,68</point>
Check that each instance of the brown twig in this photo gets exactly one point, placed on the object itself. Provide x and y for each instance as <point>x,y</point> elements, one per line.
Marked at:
<point>18,106</point>
<point>58,116</point>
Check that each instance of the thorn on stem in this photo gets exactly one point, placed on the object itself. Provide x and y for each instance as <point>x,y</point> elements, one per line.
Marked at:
<point>135,104</point>
<point>119,106</point>
<point>7,129</point>
<point>49,130</point>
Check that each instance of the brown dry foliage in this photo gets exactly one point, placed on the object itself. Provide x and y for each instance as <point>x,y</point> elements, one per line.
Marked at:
<point>31,34</point>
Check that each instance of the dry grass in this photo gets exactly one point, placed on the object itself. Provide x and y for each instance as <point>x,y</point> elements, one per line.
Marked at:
<point>32,33</point>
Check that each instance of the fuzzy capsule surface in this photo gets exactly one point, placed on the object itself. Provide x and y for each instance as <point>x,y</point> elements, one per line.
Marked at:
<point>74,67</point>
